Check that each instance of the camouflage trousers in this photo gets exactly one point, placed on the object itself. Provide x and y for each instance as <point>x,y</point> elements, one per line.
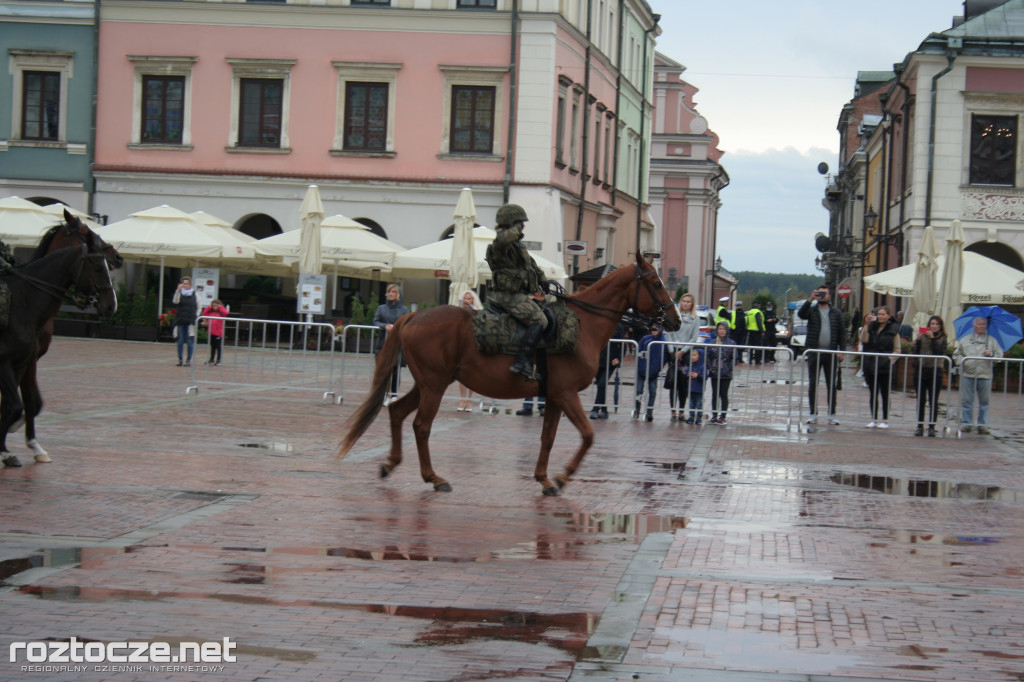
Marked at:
<point>520,306</point>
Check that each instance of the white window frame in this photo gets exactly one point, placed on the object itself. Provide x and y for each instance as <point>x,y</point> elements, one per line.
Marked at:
<point>365,72</point>
<point>20,61</point>
<point>146,65</point>
<point>480,76</point>
<point>280,69</point>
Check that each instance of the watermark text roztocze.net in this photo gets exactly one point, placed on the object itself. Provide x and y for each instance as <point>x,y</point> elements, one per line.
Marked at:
<point>77,651</point>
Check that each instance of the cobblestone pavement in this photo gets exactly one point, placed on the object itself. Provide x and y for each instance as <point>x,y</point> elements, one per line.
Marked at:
<point>740,552</point>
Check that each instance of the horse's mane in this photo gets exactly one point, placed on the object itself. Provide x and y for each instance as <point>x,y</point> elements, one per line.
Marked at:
<point>44,243</point>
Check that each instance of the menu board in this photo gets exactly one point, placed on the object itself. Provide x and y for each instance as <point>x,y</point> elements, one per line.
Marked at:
<point>312,294</point>
<point>206,281</point>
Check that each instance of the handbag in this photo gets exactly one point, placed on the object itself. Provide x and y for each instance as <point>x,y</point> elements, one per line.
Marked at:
<point>670,379</point>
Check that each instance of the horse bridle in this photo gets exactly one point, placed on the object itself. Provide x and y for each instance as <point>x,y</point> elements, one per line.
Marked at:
<point>602,311</point>
<point>81,302</point>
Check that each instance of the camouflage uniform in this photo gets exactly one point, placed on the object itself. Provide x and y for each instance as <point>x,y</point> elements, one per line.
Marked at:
<point>6,263</point>
<point>515,279</point>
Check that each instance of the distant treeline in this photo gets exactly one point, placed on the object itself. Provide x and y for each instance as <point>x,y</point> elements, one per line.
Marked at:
<point>752,284</point>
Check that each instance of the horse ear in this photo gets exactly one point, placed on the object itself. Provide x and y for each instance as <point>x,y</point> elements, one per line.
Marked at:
<point>70,219</point>
<point>640,258</point>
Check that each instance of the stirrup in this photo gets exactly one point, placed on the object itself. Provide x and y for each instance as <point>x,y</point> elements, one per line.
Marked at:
<point>525,370</point>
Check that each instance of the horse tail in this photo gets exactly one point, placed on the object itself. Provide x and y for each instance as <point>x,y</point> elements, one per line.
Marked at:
<point>387,358</point>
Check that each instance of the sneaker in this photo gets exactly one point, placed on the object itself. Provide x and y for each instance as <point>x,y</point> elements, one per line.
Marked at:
<point>966,428</point>
<point>525,412</point>
<point>883,425</point>
<point>931,432</point>
<point>871,425</point>
<point>919,431</point>
<point>603,415</point>
<point>696,422</point>
<point>721,420</point>
<point>595,414</point>
<point>649,417</point>
<point>833,421</point>
<point>690,420</point>
<point>812,420</point>
<point>983,430</point>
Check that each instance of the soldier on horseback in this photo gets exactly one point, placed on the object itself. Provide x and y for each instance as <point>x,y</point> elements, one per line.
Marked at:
<point>516,283</point>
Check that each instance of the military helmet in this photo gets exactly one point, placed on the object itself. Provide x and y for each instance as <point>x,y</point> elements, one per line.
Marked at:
<point>510,214</point>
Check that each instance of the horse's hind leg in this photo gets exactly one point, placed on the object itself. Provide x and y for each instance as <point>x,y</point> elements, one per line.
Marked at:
<point>578,416</point>
<point>10,411</point>
<point>33,403</point>
<point>397,412</point>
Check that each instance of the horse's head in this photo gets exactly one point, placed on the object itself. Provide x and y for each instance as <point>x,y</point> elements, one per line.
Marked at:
<point>92,273</point>
<point>76,229</point>
<point>651,298</point>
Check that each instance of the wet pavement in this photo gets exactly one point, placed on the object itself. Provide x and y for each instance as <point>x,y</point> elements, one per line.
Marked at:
<point>742,552</point>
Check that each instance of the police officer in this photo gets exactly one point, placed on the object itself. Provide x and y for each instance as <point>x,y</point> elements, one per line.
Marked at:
<point>516,283</point>
<point>771,320</point>
<point>755,331</point>
<point>723,314</point>
<point>739,328</point>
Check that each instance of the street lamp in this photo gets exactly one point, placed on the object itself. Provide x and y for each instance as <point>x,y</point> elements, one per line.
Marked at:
<point>708,276</point>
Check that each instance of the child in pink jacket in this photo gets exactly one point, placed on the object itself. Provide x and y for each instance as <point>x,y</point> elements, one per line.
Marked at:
<point>216,328</point>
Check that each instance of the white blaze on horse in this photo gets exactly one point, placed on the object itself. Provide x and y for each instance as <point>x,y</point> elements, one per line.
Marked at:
<point>37,291</point>
<point>439,346</point>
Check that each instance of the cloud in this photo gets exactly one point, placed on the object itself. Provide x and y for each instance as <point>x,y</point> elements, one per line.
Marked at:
<point>772,209</point>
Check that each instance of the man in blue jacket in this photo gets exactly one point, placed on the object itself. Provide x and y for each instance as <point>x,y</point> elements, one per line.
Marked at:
<point>650,359</point>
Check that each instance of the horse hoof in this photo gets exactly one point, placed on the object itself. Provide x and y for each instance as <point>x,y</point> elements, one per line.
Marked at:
<point>43,458</point>
<point>384,470</point>
<point>445,487</point>
<point>11,461</point>
<point>551,492</point>
<point>561,481</point>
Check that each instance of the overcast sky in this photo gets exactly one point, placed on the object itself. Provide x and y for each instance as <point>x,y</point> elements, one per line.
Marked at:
<point>772,78</point>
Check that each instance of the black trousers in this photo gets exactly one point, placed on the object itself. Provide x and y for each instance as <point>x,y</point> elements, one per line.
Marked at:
<point>826,362</point>
<point>929,386</point>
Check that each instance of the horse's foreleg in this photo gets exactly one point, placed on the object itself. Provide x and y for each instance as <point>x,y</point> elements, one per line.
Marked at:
<point>10,411</point>
<point>33,405</point>
<point>578,416</point>
<point>421,426</point>
<point>397,412</point>
<point>552,415</point>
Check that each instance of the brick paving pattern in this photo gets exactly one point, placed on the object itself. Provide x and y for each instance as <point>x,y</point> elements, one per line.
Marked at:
<point>745,552</point>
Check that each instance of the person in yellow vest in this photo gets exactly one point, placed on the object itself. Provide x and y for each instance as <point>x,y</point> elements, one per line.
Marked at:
<point>755,332</point>
<point>723,314</point>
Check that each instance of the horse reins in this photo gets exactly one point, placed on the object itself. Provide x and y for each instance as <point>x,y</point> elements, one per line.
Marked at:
<point>616,316</point>
<point>62,293</point>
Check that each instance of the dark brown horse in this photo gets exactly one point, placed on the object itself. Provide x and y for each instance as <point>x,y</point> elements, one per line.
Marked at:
<point>72,232</point>
<point>439,348</point>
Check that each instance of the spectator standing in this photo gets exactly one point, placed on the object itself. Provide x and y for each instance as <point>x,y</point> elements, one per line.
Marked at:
<point>824,332</point>
<point>932,342</point>
<point>688,335</point>
<point>527,409</point>
<point>906,332</point>
<point>471,303</point>
<point>384,319</point>
<point>755,332</point>
<point>185,318</point>
<point>697,376</point>
<point>880,334</point>
<point>739,328</point>
<point>972,356</point>
<point>650,360</point>
<point>718,365</point>
<point>607,364</point>
<point>215,327</point>
<point>771,320</point>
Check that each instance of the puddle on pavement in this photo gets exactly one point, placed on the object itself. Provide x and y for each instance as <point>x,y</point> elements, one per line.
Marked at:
<point>449,625</point>
<point>278,447</point>
<point>664,466</point>
<point>48,558</point>
<point>759,651</point>
<point>917,487</point>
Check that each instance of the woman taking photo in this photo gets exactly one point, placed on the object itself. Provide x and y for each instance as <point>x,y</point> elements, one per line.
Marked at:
<point>880,334</point>
<point>718,364</point>
<point>930,372</point>
<point>677,379</point>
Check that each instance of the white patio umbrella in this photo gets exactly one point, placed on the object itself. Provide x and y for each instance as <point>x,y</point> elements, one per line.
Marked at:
<point>23,223</point>
<point>312,213</point>
<point>923,303</point>
<point>951,282</point>
<point>434,260</point>
<point>983,281</point>
<point>170,237</point>
<point>463,273</point>
<point>343,242</point>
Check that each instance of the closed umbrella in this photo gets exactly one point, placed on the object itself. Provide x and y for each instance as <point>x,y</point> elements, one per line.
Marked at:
<point>312,212</point>
<point>925,285</point>
<point>463,273</point>
<point>952,280</point>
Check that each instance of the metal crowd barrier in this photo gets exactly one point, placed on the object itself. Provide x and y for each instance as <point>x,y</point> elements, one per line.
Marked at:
<point>615,375</point>
<point>760,392</point>
<point>901,386</point>
<point>1005,409</point>
<point>268,353</point>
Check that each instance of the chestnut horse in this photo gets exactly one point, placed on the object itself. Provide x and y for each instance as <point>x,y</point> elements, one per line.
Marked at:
<point>439,348</point>
<point>73,231</point>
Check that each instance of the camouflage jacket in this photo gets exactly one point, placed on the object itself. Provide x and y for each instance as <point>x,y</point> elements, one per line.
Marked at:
<point>513,269</point>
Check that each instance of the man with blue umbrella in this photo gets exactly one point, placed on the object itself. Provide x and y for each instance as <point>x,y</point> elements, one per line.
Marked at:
<point>972,355</point>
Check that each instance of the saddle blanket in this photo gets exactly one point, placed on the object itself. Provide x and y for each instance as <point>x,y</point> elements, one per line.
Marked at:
<point>499,333</point>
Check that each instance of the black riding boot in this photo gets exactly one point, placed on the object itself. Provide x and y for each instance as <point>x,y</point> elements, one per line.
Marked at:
<point>529,341</point>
